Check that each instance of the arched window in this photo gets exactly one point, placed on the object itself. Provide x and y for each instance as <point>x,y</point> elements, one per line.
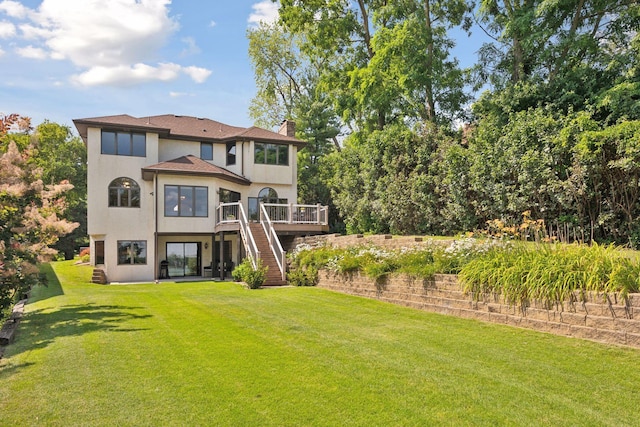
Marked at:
<point>124,193</point>
<point>268,195</point>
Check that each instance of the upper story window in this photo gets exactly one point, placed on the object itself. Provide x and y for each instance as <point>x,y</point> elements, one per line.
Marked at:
<point>206,151</point>
<point>271,154</point>
<point>124,143</point>
<point>124,193</point>
<point>186,200</point>
<point>231,153</point>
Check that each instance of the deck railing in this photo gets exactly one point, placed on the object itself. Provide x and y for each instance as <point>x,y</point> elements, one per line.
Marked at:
<point>274,243</point>
<point>293,213</point>
<point>228,213</point>
<point>234,213</point>
<point>271,213</point>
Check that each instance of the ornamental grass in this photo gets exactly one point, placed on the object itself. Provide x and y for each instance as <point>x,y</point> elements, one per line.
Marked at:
<point>551,274</point>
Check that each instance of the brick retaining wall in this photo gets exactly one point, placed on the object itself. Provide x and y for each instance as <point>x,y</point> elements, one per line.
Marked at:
<point>610,320</point>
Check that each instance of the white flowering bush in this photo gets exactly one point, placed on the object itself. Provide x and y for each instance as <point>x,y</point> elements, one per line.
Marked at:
<point>424,261</point>
<point>461,251</point>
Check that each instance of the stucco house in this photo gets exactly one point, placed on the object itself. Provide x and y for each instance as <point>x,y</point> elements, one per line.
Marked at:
<point>178,196</point>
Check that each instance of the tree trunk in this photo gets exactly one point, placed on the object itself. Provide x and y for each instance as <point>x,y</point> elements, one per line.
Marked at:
<point>430,103</point>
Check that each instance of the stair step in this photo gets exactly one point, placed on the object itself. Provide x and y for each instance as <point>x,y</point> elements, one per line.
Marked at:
<point>274,277</point>
<point>98,276</point>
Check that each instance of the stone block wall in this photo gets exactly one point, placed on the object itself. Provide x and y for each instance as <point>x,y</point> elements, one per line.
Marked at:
<point>599,318</point>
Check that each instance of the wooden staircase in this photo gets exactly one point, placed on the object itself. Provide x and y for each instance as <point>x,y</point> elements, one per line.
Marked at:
<point>99,276</point>
<point>274,277</point>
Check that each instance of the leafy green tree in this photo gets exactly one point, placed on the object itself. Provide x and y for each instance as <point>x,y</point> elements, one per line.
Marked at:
<point>30,221</point>
<point>388,181</point>
<point>513,166</point>
<point>611,160</point>
<point>383,62</point>
<point>63,157</point>
<point>286,82</point>
<point>563,53</point>
<point>279,70</point>
<point>552,136</point>
<point>452,187</point>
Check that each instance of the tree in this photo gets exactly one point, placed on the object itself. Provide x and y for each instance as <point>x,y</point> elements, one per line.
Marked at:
<point>386,181</point>
<point>287,89</point>
<point>279,74</point>
<point>63,157</point>
<point>570,49</point>
<point>30,221</point>
<point>383,62</point>
<point>611,160</point>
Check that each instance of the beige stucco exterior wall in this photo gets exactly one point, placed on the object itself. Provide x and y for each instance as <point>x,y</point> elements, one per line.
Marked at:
<point>271,174</point>
<point>113,224</point>
<point>169,149</point>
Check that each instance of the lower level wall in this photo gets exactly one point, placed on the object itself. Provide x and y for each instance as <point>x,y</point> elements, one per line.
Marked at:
<point>600,318</point>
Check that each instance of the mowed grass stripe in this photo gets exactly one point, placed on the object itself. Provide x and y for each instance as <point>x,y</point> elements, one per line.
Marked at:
<point>210,353</point>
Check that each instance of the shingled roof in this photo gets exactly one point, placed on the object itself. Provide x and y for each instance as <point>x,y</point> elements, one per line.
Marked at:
<point>183,127</point>
<point>192,165</point>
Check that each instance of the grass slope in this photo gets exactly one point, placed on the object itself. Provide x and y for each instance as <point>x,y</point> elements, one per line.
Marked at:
<point>210,353</point>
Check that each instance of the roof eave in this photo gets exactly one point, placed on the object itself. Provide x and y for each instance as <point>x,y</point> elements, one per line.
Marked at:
<point>84,124</point>
<point>148,174</point>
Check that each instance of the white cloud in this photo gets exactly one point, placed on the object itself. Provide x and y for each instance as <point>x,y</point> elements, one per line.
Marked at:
<point>191,49</point>
<point>31,52</point>
<point>7,29</point>
<point>124,75</point>
<point>13,9</point>
<point>31,32</point>
<point>179,94</point>
<point>265,11</point>
<point>112,42</point>
<point>98,33</point>
<point>197,74</point>
<point>213,23</point>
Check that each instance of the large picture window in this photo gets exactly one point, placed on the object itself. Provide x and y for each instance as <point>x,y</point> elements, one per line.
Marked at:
<point>271,154</point>
<point>124,143</point>
<point>132,252</point>
<point>124,193</point>
<point>186,200</point>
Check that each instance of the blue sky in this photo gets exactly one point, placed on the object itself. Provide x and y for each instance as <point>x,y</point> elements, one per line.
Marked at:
<point>67,59</point>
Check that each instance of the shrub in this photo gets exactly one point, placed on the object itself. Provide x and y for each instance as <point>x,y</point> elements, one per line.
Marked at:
<point>85,255</point>
<point>303,276</point>
<point>305,262</point>
<point>254,278</point>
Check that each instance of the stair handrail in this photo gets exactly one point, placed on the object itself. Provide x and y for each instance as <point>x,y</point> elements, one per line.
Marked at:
<point>247,237</point>
<point>274,242</point>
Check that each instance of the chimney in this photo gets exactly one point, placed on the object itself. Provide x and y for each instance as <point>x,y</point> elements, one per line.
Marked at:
<point>288,128</point>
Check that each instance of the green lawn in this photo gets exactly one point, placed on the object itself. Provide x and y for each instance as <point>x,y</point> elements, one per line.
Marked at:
<point>206,353</point>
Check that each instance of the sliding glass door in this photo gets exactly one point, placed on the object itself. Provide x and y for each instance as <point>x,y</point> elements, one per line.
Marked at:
<point>184,259</point>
